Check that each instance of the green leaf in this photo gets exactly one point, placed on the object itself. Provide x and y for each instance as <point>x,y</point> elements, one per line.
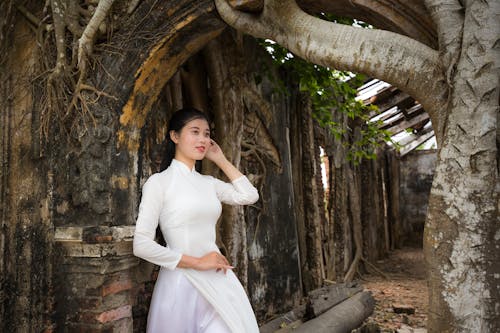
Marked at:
<point>330,91</point>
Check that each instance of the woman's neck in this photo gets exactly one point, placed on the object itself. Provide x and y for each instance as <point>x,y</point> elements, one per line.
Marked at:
<point>187,161</point>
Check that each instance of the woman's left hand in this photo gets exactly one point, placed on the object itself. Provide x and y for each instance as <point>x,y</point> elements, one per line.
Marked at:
<point>214,153</point>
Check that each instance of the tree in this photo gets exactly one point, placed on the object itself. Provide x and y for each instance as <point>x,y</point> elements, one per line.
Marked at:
<point>72,143</point>
<point>458,85</point>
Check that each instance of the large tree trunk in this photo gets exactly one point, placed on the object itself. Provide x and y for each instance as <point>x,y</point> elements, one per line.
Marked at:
<point>461,235</point>
<point>274,274</point>
<point>226,75</point>
<point>310,204</point>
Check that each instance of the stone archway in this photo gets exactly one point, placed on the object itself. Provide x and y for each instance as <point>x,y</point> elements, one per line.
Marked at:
<point>98,284</point>
<point>104,181</point>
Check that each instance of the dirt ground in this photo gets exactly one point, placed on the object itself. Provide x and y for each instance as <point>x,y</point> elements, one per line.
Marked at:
<point>404,289</point>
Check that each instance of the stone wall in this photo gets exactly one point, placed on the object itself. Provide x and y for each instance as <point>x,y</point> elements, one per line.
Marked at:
<point>69,202</point>
<point>416,174</point>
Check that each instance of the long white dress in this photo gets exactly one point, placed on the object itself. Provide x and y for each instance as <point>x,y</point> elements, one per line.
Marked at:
<point>187,206</point>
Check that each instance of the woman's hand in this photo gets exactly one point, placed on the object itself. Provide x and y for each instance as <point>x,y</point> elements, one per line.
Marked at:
<point>213,260</point>
<point>214,153</point>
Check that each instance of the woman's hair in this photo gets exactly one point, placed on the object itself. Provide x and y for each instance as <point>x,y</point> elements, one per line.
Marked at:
<point>176,123</point>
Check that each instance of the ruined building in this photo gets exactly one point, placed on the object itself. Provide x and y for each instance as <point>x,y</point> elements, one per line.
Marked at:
<point>72,168</point>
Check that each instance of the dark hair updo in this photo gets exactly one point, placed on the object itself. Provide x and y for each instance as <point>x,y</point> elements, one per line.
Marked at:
<point>176,123</point>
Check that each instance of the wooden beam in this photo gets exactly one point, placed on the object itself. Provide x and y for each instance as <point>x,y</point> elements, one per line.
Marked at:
<point>402,100</point>
<point>414,144</point>
<point>408,123</point>
<point>399,117</point>
<point>386,114</point>
<point>413,109</point>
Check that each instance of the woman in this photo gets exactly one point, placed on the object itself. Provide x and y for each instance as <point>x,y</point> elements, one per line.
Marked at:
<point>196,289</point>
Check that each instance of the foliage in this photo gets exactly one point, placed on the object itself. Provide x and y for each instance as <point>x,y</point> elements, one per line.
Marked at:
<point>332,90</point>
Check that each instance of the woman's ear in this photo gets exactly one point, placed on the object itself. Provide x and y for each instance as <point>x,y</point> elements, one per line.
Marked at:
<point>173,136</point>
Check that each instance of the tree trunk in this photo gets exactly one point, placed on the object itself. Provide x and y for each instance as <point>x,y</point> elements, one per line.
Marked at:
<point>394,198</point>
<point>353,189</point>
<point>461,235</point>
<point>309,231</point>
<point>226,74</point>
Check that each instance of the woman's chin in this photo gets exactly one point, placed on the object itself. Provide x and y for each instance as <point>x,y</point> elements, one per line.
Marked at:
<point>200,157</point>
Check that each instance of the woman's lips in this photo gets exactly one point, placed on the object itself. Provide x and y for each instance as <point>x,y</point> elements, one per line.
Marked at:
<point>201,149</point>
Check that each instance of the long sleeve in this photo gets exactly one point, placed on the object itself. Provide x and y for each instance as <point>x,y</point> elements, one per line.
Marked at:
<point>145,246</point>
<point>239,192</point>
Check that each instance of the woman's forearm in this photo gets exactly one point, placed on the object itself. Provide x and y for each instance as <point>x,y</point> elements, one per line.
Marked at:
<point>211,260</point>
<point>229,169</point>
<point>188,262</point>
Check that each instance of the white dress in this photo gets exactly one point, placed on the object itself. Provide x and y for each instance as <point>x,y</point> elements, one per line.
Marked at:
<point>187,206</point>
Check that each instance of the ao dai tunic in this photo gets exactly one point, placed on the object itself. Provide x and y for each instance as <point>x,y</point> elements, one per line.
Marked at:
<point>187,206</point>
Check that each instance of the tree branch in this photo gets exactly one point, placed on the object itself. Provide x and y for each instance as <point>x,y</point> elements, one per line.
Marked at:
<point>448,16</point>
<point>397,59</point>
<point>87,40</point>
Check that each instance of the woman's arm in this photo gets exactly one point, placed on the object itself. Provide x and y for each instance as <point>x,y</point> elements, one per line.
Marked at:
<point>240,191</point>
<point>212,260</point>
<point>215,154</point>
<point>144,245</point>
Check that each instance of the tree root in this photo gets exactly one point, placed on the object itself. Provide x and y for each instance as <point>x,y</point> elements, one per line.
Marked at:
<point>374,268</point>
<point>86,41</point>
<point>28,15</point>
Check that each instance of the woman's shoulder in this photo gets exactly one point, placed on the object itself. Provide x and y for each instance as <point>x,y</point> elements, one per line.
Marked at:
<point>207,178</point>
<point>160,178</point>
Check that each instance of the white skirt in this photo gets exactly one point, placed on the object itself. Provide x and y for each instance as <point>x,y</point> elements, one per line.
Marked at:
<point>178,307</point>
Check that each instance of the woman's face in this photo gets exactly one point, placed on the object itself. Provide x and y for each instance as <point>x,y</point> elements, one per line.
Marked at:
<point>192,142</point>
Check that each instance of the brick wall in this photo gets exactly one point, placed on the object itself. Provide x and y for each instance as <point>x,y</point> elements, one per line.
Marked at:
<point>96,283</point>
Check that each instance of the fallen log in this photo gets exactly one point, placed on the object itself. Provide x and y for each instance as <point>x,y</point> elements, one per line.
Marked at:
<point>342,318</point>
<point>290,320</point>
<point>322,299</point>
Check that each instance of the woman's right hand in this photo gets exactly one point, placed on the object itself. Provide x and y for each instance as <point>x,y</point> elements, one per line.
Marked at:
<point>211,260</point>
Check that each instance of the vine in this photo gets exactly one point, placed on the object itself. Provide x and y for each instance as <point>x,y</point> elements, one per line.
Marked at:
<point>331,91</point>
